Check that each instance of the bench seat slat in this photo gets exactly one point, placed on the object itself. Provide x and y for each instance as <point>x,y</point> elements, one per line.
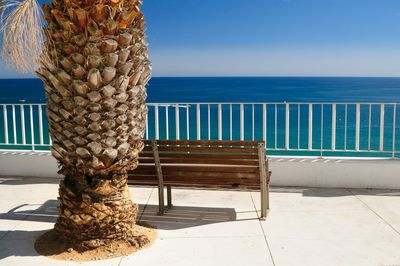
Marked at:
<point>232,182</point>
<point>205,168</point>
<point>201,149</point>
<point>205,142</point>
<point>200,161</point>
<point>193,178</point>
<point>196,185</point>
<point>149,154</point>
<point>210,156</point>
<point>216,175</point>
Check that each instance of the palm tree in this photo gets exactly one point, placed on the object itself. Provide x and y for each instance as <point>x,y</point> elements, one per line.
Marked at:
<point>92,59</point>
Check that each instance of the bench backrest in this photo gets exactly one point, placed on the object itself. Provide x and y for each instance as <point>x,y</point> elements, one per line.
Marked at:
<point>211,164</point>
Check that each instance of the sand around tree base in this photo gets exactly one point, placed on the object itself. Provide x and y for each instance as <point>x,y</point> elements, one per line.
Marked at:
<point>50,245</point>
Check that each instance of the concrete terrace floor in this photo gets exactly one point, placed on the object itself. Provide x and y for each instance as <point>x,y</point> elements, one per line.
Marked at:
<point>305,226</point>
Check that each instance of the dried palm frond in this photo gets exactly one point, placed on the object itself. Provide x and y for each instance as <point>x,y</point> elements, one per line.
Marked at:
<point>22,34</point>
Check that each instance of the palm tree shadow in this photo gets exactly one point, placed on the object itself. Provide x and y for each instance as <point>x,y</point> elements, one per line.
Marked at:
<point>21,242</point>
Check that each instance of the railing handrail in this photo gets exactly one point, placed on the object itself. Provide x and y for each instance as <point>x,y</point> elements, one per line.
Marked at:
<point>274,102</point>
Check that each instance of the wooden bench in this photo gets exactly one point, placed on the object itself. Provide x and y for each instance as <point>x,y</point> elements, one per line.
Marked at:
<point>238,165</point>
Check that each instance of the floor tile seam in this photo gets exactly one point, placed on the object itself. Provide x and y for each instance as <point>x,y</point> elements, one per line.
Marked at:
<point>15,226</point>
<point>320,211</point>
<point>376,214</point>
<point>147,202</point>
<point>12,229</point>
<point>333,239</point>
<point>211,237</point>
<point>264,234</point>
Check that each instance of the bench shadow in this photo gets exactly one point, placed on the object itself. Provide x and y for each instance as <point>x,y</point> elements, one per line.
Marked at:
<point>179,217</point>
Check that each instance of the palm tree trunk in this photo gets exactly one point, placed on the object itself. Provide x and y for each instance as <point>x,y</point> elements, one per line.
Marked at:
<point>95,85</point>
<point>90,215</point>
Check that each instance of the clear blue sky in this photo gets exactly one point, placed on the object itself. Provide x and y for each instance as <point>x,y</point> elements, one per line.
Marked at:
<point>272,37</point>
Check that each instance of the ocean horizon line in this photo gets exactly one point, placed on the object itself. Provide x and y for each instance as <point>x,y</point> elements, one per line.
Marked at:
<point>234,76</point>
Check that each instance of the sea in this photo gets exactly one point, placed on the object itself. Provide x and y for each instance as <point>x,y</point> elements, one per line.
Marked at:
<point>258,90</point>
<point>237,89</point>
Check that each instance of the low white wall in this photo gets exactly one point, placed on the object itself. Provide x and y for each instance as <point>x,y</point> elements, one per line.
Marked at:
<point>335,172</point>
<point>29,164</point>
<point>286,171</point>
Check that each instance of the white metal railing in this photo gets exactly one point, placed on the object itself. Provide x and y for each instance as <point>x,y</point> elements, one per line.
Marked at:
<point>301,128</point>
<point>23,127</point>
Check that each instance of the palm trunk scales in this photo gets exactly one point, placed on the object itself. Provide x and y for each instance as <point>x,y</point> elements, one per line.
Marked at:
<point>95,85</point>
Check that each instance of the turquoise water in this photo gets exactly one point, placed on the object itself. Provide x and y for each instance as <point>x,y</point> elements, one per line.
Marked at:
<point>239,89</point>
<point>170,90</point>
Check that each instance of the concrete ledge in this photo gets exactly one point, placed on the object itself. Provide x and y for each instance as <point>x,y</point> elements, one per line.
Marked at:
<point>335,172</point>
<point>287,171</point>
<point>28,164</point>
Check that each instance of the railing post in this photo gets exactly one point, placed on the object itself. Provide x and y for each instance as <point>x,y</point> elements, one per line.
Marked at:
<point>166,122</point>
<point>209,121</point>
<point>394,132</point>
<point>187,122</point>
<point>156,122</point>
<point>252,121</point>
<point>147,126</point>
<point>382,127</point>
<point>345,127</point>
<point>32,127</point>
<point>369,127</point>
<point>219,121</point>
<point>357,127</point>
<point>276,126</point>
<point>287,126</point>
<point>40,124</point>
<point>265,124</point>
<point>298,126</point>
<point>322,130</point>
<point>14,124</point>
<point>5,116</point>
<point>310,126</point>
<point>333,146</point>
<point>22,111</point>
<point>230,122</point>
<point>241,121</point>
<point>177,122</point>
<point>198,121</point>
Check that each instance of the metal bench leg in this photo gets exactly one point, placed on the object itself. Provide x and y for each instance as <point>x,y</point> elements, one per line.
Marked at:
<point>264,203</point>
<point>263,180</point>
<point>160,199</point>
<point>169,197</point>
<point>159,177</point>
<point>267,196</point>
